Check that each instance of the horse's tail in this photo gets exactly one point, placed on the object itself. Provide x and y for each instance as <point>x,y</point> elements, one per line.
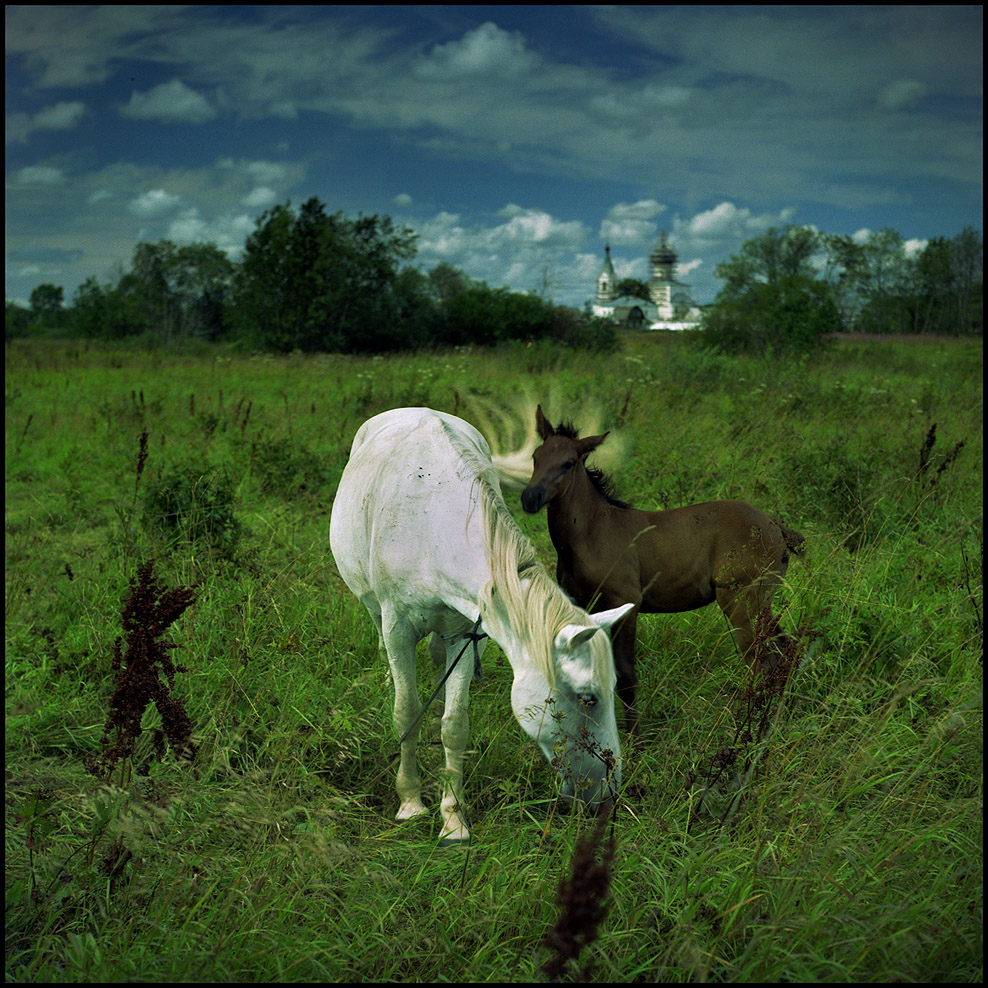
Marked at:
<point>502,426</point>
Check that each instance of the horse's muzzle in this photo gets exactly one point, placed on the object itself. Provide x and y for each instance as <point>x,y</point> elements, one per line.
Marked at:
<point>533,498</point>
<point>594,796</point>
<point>567,804</point>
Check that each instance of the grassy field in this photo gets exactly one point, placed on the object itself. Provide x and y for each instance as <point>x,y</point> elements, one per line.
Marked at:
<point>853,854</point>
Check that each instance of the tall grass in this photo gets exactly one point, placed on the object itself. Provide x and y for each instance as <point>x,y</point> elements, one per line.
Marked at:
<point>853,853</point>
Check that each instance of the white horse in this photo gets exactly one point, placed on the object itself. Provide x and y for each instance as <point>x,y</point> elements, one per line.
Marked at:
<point>422,536</point>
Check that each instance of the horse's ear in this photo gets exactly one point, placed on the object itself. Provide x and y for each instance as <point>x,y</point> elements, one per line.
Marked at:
<point>605,619</point>
<point>590,443</point>
<point>545,430</point>
<point>576,634</point>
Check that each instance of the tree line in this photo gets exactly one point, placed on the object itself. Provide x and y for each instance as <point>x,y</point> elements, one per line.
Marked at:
<point>790,288</point>
<point>307,280</point>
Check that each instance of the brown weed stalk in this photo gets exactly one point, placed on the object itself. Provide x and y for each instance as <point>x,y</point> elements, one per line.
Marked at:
<point>144,671</point>
<point>142,458</point>
<point>926,457</point>
<point>582,901</point>
<point>582,893</point>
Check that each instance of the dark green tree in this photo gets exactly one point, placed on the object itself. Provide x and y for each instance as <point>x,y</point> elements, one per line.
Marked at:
<point>484,316</point>
<point>884,277</point>
<point>635,288</point>
<point>445,282</point>
<point>773,301</point>
<point>313,281</point>
<point>106,312</point>
<point>183,290</point>
<point>17,319</point>
<point>46,305</point>
<point>948,287</point>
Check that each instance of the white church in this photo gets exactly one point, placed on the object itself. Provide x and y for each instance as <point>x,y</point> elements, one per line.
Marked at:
<point>670,305</point>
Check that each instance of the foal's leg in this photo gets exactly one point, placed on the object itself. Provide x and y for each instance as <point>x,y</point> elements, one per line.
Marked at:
<point>742,607</point>
<point>455,732</point>
<point>623,643</point>
<point>399,642</point>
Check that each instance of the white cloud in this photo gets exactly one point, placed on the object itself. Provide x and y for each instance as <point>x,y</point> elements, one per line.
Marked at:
<point>266,172</point>
<point>76,45</point>
<point>910,247</point>
<point>630,224</point>
<point>228,232</point>
<point>902,94</point>
<point>486,50</point>
<point>171,102</point>
<point>39,175</point>
<point>723,220</point>
<point>59,116</point>
<point>729,222</point>
<point>535,226</point>
<point>260,198</point>
<point>154,202</point>
<point>517,252</point>
<point>641,104</point>
<point>270,179</point>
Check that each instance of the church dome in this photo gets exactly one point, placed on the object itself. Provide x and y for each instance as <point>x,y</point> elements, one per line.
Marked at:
<point>662,253</point>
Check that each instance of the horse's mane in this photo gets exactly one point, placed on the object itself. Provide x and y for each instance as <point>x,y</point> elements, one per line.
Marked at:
<point>541,607</point>
<point>602,484</point>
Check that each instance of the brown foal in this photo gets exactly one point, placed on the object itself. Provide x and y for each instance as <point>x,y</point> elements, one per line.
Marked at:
<point>663,562</point>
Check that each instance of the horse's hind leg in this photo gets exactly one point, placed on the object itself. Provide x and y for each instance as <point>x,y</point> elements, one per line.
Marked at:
<point>437,655</point>
<point>455,733</point>
<point>399,642</point>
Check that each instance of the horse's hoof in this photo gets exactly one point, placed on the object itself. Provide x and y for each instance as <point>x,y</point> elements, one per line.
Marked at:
<point>411,810</point>
<point>454,841</point>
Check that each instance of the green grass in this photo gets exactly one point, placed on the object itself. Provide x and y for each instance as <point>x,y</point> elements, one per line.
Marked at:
<point>853,854</point>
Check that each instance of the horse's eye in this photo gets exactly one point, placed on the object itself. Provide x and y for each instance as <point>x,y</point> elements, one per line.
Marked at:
<point>569,464</point>
<point>588,700</point>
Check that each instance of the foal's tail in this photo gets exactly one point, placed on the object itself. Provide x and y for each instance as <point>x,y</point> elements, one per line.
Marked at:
<point>795,542</point>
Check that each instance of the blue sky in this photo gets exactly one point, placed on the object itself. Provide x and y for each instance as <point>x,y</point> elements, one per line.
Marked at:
<point>516,141</point>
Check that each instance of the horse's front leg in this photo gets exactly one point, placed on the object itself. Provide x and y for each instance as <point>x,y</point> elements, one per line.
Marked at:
<point>399,643</point>
<point>455,733</point>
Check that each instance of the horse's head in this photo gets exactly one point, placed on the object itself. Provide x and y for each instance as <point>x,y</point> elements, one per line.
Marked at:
<point>573,719</point>
<point>554,462</point>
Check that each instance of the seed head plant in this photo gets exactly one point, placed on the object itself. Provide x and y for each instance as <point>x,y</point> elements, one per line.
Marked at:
<point>144,671</point>
<point>582,901</point>
<point>583,890</point>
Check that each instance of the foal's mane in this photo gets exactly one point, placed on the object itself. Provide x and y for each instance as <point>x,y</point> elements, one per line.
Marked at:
<point>602,484</point>
<point>540,611</point>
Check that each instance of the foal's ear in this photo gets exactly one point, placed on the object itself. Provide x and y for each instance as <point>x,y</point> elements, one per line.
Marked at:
<point>545,430</point>
<point>586,446</point>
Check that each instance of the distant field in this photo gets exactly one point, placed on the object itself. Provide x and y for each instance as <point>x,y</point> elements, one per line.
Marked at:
<point>854,854</point>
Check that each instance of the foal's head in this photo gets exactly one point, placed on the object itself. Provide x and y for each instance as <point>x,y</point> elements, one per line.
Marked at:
<point>555,462</point>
